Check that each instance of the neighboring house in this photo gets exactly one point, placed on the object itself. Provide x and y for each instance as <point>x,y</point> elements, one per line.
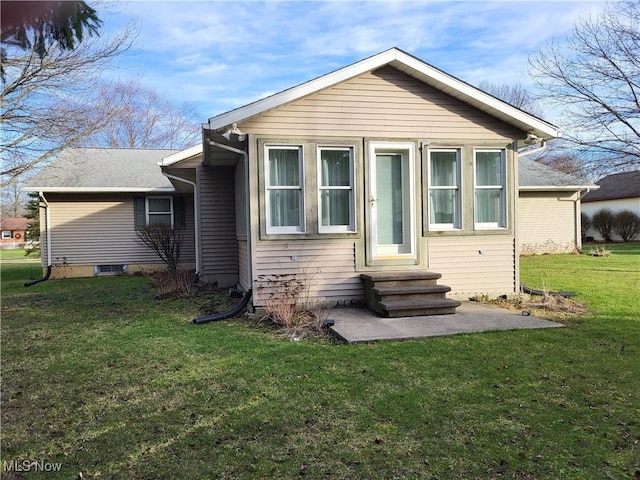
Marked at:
<point>549,209</point>
<point>13,232</point>
<point>387,167</point>
<point>617,192</point>
<point>92,202</point>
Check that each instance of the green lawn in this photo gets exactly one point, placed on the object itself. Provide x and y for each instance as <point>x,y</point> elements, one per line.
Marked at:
<point>104,379</point>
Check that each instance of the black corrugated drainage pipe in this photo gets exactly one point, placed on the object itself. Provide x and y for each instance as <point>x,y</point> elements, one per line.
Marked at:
<point>532,291</point>
<point>43,279</point>
<point>232,312</point>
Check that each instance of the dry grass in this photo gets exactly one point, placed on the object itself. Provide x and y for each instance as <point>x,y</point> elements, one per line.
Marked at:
<point>176,282</point>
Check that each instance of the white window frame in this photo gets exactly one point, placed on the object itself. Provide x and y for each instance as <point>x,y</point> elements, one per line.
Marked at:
<point>502,222</point>
<point>297,229</point>
<point>149,214</point>
<point>457,223</point>
<point>351,227</point>
<point>5,236</point>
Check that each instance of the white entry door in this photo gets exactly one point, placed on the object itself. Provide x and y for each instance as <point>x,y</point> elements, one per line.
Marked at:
<point>392,201</point>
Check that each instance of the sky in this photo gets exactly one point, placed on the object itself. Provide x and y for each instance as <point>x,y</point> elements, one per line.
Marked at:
<point>215,56</point>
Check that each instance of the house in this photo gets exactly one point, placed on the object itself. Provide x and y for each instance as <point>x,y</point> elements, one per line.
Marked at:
<point>387,168</point>
<point>92,202</point>
<point>549,209</point>
<point>13,232</point>
<point>617,192</point>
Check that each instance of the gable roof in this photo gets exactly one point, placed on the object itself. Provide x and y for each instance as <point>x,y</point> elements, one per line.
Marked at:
<point>103,170</point>
<point>14,223</point>
<point>537,176</point>
<point>616,186</point>
<point>409,65</point>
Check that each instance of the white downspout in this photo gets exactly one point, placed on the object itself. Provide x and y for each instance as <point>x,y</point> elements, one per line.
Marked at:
<point>196,216</point>
<point>48,226</point>
<point>543,145</point>
<point>581,194</point>
<point>247,202</point>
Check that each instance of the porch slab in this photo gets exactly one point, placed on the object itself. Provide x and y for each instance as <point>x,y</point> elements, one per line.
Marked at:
<point>353,325</point>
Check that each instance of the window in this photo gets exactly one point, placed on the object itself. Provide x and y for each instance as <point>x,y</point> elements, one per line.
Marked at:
<point>110,269</point>
<point>159,211</point>
<point>335,189</point>
<point>444,188</point>
<point>285,192</point>
<point>6,234</point>
<point>167,211</point>
<point>490,189</point>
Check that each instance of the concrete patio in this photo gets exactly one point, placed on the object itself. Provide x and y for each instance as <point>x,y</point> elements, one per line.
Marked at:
<point>353,325</point>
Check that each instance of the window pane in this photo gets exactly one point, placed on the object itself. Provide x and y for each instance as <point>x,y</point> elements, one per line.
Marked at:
<point>335,207</point>
<point>159,205</point>
<point>284,208</point>
<point>390,204</point>
<point>488,206</point>
<point>488,168</point>
<point>160,219</point>
<point>335,166</point>
<point>284,168</point>
<point>443,169</point>
<point>442,206</point>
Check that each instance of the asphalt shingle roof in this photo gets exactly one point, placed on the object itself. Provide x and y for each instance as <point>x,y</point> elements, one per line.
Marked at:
<point>613,187</point>
<point>120,169</point>
<point>535,174</point>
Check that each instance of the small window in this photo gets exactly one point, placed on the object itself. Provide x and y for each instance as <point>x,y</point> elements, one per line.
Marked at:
<point>110,269</point>
<point>6,234</point>
<point>160,211</point>
<point>444,189</point>
<point>285,191</point>
<point>335,189</point>
<point>169,211</point>
<point>490,207</point>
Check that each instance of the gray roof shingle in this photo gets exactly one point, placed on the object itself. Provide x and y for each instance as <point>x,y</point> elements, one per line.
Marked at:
<point>534,174</point>
<point>103,169</point>
<point>613,187</point>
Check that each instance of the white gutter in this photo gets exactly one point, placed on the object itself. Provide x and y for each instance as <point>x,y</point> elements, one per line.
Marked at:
<point>247,202</point>
<point>543,145</point>
<point>48,226</point>
<point>196,217</point>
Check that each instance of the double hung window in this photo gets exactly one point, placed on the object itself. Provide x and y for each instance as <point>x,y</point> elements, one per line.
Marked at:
<point>285,189</point>
<point>444,189</point>
<point>335,189</point>
<point>490,205</point>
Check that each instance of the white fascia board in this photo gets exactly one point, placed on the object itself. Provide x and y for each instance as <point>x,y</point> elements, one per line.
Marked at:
<point>295,93</point>
<point>408,64</point>
<point>181,155</point>
<point>99,189</point>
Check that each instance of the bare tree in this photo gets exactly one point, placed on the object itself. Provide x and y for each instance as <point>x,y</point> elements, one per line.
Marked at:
<point>515,95</point>
<point>593,79</point>
<point>140,117</point>
<point>165,241</point>
<point>44,98</point>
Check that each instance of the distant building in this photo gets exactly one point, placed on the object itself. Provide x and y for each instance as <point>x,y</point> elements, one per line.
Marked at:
<point>13,232</point>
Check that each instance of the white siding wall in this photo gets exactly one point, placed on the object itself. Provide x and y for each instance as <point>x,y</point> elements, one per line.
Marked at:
<point>547,222</point>
<point>474,264</point>
<point>99,230</point>
<point>632,204</point>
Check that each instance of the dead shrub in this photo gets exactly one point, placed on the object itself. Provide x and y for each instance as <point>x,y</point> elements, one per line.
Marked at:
<point>174,282</point>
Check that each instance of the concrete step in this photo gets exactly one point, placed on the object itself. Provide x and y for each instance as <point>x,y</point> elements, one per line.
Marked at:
<point>405,275</point>
<point>413,308</point>
<point>410,289</point>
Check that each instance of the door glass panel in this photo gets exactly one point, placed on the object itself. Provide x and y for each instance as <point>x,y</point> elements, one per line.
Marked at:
<point>390,205</point>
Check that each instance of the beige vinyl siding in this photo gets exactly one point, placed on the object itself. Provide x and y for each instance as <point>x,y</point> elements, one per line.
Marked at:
<point>243,259</point>
<point>474,264</point>
<point>547,222</point>
<point>218,225</point>
<point>96,229</point>
<point>326,269</point>
<point>384,103</point>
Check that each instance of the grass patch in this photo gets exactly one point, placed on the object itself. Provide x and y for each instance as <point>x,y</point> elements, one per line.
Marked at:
<point>108,380</point>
